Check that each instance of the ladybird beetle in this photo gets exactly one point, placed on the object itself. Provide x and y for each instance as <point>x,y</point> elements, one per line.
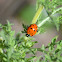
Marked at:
<point>32,29</point>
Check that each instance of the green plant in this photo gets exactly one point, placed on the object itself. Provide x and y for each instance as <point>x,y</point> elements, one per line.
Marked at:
<point>52,52</point>
<point>15,48</point>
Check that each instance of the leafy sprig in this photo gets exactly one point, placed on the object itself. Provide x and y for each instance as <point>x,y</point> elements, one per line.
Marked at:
<point>15,49</point>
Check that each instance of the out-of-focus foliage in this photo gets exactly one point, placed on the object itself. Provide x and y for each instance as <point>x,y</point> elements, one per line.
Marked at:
<point>53,9</point>
<point>15,48</point>
<point>50,5</point>
<point>52,52</point>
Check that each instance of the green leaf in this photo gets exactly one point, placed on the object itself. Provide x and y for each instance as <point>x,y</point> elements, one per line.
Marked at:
<point>54,39</point>
<point>31,58</point>
<point>38,59</point>
<point>58,46</point>
<point>43,47</point>
<point>47,56</point>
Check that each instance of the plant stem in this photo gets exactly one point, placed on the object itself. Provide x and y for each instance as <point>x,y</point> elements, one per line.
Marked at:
<point>56,11</point>
<point>37,14</point>
<point>44,21</point>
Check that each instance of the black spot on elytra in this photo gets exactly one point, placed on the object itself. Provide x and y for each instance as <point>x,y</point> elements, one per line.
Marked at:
<point>33,25</point>
<point>34,30</point>
<point>31,28</point>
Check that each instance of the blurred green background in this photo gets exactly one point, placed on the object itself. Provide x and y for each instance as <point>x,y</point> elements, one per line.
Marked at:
<point>27,13</point>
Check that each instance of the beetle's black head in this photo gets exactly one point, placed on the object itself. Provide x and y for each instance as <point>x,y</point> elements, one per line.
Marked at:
<point>27,35</point>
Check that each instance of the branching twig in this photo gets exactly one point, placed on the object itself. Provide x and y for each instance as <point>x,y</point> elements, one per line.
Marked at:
<point>49,17</point>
